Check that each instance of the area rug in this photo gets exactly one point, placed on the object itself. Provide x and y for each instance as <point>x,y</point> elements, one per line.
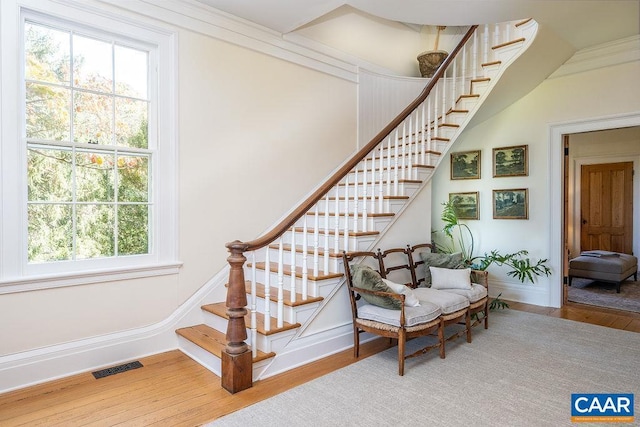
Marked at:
<point>519,372</point>
<point>601,294</point>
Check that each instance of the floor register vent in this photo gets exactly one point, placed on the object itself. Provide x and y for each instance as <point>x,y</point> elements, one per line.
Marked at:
<point>116,369</point>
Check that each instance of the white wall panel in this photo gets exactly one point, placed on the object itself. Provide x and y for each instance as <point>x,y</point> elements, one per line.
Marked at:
<point>381,98</point>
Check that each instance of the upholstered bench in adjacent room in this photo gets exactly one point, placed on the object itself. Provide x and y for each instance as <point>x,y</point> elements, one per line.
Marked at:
<point>604,266</point>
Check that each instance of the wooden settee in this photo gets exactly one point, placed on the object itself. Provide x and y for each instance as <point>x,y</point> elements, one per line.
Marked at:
<point>392,294</point>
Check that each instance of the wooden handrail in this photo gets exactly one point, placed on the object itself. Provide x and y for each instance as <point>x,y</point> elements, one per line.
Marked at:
<point>236,363</point>
<point>317,195</point>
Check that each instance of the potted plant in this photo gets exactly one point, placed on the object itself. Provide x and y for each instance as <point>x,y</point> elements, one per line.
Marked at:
<point>430,60</point>
<point>459,238</point>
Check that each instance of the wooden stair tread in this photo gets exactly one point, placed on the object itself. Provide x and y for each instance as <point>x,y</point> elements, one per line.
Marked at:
<point>310,250</point>
<point>509,43</point>
<point>213,341</point>
<point>351,233</point>
<point>220,309</point>
<point>374,215</point>
<point>286,270</point>
<point>488,64</point>
<point>401,181</point>
<point>523,22</point>
<point>273,295</point>
<point>413,166</point>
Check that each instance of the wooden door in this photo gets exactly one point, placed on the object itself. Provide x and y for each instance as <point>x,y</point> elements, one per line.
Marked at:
<point>606,207</point>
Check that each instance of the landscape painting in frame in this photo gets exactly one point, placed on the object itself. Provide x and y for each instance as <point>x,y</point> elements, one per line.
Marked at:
<point>510,161</point>
<point>465,205</point>
<point>511,204</point>
<point>465,165</point>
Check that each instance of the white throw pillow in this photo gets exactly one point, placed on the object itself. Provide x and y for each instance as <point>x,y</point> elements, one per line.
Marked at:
<point>448,278</point>
<point>410,300</point>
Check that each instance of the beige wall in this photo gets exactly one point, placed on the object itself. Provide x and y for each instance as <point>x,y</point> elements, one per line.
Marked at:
<point>256,134</point>
<point>577,97</point>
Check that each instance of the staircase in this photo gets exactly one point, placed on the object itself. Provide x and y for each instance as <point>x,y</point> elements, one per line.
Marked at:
<point>284,291</point>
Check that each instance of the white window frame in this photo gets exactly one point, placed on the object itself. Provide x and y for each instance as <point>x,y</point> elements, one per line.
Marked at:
<point>16,274</point>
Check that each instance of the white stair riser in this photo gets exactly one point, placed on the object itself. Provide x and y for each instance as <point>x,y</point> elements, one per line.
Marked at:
<point>505,53</point>
<point>297,314</point>
<point>264,343</point>
<point>373,223</point>
<point>354,242</point>
<point>457,118</point>
<point>480,88</point>
<point>406,188</point>
<point>212,362</point>
<point>199,354</point>
<point>467,103</point>
<point>388,174</point>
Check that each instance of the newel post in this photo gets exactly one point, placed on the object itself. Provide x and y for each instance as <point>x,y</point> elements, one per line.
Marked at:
<point>237,371</point>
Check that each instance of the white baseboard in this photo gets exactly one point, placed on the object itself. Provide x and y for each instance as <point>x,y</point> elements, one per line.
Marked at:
<point>32,367</point>
<point>536,294</point>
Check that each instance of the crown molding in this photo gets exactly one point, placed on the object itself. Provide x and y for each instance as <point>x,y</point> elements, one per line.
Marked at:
<point>198,17</point>
<point>604,55</point>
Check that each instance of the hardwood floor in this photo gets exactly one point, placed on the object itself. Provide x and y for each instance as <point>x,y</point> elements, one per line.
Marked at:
<point>173,390</point>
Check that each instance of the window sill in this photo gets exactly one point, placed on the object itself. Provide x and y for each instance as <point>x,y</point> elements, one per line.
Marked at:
<point>34,283</point>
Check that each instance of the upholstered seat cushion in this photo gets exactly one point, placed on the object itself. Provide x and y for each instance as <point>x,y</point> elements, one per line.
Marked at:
<point>476,293</point>
<point>447,301</point>
<point>424,313</point>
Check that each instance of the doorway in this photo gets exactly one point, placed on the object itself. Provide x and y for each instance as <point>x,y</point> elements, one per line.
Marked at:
<point>601,207</point>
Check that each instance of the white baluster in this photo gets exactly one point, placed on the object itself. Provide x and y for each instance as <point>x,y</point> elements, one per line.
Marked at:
<point>429,146</point>
<point>381,178</point>
<point>326,234</point>
<point>336,216</point>
<point>356,206</point>
<point>424,133</point>
<point>280,305</point>
<point>416,146</point>
<point>486,44</point>
<point>435,113</point>
<point>464,66</point>
<point>292,284</point>
<point>267,291</point>
<point>396,164</point>
<point>404,149</point>
<point>389,164</point>
<point>346,215</point>
<point>365,181</point>
<point>254,310</point>
<point>305,260</point>
<point>372,208</point>
<point>454,85</point>
<point>444,100</point>
<point>316,243</point>
<point>475,61</point>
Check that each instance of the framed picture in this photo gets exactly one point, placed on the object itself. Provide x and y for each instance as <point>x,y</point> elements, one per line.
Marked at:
<point>465,205</point>
<point>511,204</point>
<point>510,161</point>
<point>465,165</point>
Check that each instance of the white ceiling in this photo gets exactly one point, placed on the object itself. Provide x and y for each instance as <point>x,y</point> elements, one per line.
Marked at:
<point>581,23</point>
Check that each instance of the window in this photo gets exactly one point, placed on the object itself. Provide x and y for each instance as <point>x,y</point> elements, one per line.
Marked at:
<point>98,179</point>
<point>88,151</point>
